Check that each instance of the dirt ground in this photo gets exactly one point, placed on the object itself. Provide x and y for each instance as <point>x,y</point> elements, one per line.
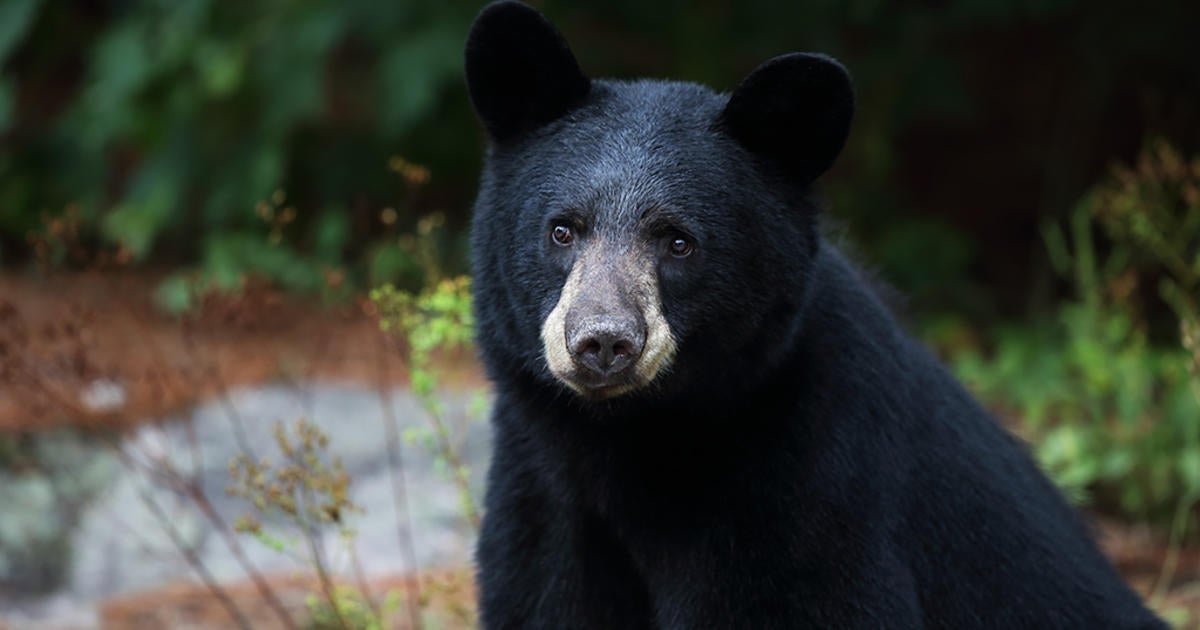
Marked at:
<point>445,599</point>
<point>65,340</point>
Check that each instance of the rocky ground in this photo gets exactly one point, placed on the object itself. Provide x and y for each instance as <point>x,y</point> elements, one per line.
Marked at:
<point>120,546</point>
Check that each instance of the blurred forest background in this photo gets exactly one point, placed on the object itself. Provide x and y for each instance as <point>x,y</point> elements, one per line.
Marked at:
<point>1026,172</point>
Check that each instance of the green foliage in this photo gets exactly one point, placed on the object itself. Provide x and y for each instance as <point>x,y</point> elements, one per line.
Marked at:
<point>188,111</point>
<point>1175,616</point>
<point>433,322</point>
<point>310,492</point>
<point>15,19</point>
<point>437,318</point>
<point>1115,419</point>
<point>1107,413</point>
<point>229,259</point>
<point>350,610</point>
<point>1155,210</point>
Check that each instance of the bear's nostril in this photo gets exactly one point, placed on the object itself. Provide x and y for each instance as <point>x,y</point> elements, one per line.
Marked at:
<point>605,353</point>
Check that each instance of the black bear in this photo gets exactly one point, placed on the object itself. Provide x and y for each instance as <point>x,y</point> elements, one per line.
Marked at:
<point>705,417</point>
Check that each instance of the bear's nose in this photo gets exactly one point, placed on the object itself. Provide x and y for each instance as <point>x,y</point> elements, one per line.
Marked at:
<point>606,347</point>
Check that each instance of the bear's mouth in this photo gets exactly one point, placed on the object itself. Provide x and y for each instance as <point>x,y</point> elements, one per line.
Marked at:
<point>599,389</point>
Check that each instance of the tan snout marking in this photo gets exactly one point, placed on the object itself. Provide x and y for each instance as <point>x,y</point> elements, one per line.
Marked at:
<point>659,349</point>
<point>554,330</point>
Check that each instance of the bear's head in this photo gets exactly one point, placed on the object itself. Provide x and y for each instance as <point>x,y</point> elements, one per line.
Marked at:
<point>642,238</point>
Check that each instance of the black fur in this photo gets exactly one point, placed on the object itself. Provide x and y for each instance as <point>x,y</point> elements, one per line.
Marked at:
<point>804,463</point>
<point>794,110</point>
<point>523,74</point>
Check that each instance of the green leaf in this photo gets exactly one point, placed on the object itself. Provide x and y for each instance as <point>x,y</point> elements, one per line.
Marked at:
<point>391,263</point>
<point>228,257</point>
<point>331,233</point>
<point>413,73</point>
<point>1189,469</point>
<point>1117,464</point>
<point>221,67</point>
<point>141,217</point>
<point>121,66</point>
<point>16,16</point>
<point>6,104</point>
<point>175,294</point>
<point>271,542</point>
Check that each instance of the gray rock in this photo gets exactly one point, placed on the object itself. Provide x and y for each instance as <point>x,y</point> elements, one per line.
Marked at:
<point>42,506</point>
<point>119,546</point>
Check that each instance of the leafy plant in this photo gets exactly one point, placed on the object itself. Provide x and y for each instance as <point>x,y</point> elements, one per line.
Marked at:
<point>231,259</point>
<point>1113,416</point>
<point>349,609</point>
<point>311,492</point>
<point>206,105</point>
<point>435,321</point>
<point>1154,208</point>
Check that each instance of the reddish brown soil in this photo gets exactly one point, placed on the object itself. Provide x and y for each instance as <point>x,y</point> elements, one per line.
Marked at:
<point>60,333</point>
<point>1141,554</point>
<point>445,599</point>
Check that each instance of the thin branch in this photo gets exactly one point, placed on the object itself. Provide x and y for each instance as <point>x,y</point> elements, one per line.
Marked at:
<point>404,525</point>
<point>193,560</point>
<point>304,508</point>
<point>264,589</point>
<point>363,587</point>
<point>1166,573</point>
<point>193,491</point>
<point>212,370</point>
<point>156,510</point>
<point>458,469</point>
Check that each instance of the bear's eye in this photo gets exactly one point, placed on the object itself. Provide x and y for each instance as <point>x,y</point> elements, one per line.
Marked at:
<point>680,247</point>
<point>562,235</point>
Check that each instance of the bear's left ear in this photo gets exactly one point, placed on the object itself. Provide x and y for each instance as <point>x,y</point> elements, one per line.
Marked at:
<point>795,111</point>
<point>520,72</point>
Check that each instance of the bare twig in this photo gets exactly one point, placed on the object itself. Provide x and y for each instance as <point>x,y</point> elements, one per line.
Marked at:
<point>306,505</point>
<point>192,486</point>
<point>193,560</point>
<point>412,587</point>
<point>458,469</point>
<point>264,589</point>
<point>1166,573</point>
<point>361,578</point>
<point>194,492</point>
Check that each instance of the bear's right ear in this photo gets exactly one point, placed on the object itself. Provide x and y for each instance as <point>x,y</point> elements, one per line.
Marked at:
<point>520,72</point>
<point>794,111</point>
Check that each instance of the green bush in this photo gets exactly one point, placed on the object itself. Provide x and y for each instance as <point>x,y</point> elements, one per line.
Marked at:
<point>189,112</point>
<point>1115,418</point>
